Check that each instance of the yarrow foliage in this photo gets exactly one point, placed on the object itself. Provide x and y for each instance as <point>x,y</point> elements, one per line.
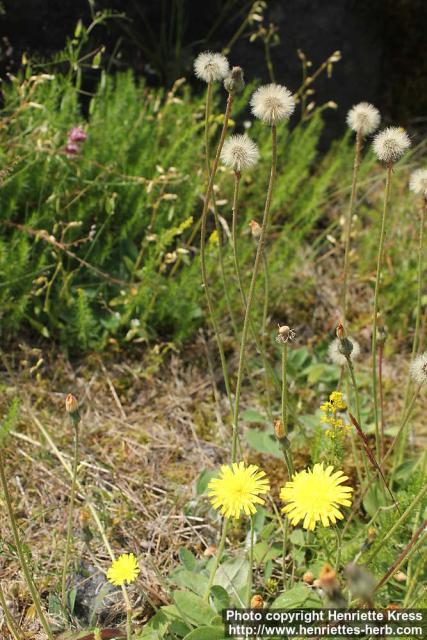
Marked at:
<point>418,182</point>
<point>211,67</point>
<point>390,144</point>
<point>363,118</point>
<point>123,570</point>
<point>237,489</point>
<point>272,103</point>
<point>239,152</point>
<point>314,495</point>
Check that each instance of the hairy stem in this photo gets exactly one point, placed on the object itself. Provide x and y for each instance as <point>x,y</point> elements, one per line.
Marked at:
<point>349,221</point>
<point>204,216</point>
<point>260,249</point>
<point>70,516</point>
<point>376,298</point>
<point>251,561</point>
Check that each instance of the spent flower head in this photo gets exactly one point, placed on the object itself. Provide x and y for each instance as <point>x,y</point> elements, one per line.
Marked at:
<point>390,144</point>
<point>123,570</point>
<point>237,489</point>
<point>255,229</point>
<point>337,357</point>
<point>285,334</point>
<point>239,152</point>
<point>418,182</point>
<point>234,83</point>
<point>211,67</point>
<point>363,118</point>
<point>419,368</point>
<point>272,103</point>
<point>314,495</point>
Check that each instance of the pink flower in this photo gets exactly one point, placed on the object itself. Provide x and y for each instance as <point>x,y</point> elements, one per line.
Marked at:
<point>77,134</point>
<point>71,149</point>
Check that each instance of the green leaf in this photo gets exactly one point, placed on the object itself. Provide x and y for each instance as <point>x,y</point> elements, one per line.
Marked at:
<point>206,633</point>
<point>297,597</point>
<point>9,421</point>
<point>373,500</point>
<point>187,558</point>
<point>220,597</point>
<point>203,480</point>
<point>185,579</point>
<point>233,576</point>
<point>251,415</point>
<point>263,442</point>
<point>264,551</point>
<point>194,608</point>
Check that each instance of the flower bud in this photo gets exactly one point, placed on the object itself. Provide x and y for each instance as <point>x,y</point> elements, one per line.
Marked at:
<point>257,602</point>
<point>279,429</point>
<point>234,83</point>
<point>345,347</point>
<point>71,404</point>
<point>308,577</point>
<point>255,229</point>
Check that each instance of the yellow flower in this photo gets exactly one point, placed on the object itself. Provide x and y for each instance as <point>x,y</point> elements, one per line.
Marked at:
<point>213,239</point>
<point>336,399</point>
<point>237,489</point>
<point>124,569</point>
<point>314,495</point>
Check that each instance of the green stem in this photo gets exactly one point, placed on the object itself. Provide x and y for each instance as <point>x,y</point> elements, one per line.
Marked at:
<point>338,556</point>
<point>260,344</point>
<point>11,624</point>
<point>285,409</point>
<point>215,210</point>
<point>217,560</point>
<point>264,335</point>
<point>251,562</point>
<point>356,165</point>
<point>417,321</point>
<point>376,297</point>
<point>204,216</point>
<point>21,555</point>
<point>250,299</point>
<point>129,623</point>
<point>70,516</point>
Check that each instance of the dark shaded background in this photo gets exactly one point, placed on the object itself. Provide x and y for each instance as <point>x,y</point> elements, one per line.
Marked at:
<point>382,41</point>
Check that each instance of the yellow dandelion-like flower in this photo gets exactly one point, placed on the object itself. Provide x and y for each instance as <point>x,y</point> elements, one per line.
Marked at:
<point>123,570</point>
<point>237,489</point>
<point>314,495</point>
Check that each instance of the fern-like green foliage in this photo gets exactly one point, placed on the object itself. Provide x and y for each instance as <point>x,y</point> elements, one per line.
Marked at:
<point>9,421</point>
<point>103,245</point>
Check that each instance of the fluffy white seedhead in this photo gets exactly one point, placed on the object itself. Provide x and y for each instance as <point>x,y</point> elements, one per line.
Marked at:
<point>419,368</point>
<point>211,67</point>
<point>337,357</point>
<point>239,152</point>
<point>418,182</point>
<point>390,144</point>
<point>363,118</point>
<point>272,103</point>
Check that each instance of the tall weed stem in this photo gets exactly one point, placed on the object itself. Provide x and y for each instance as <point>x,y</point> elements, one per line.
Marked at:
<point>10,622</point>
<point>349,221</point>
<point>75,422</point>
<point>376,298</point>
<point>204,216</point>
<point>217,560</point>
<point>251,293</point>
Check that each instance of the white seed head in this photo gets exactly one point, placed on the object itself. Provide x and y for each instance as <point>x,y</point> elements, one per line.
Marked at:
<point>419,368</point>
<point>211,67</point>
<point>363,118</point>
<point>418,182</point>
<point>337,357</point>
<point>272,103</point>
<point>239,152</point>
<point>390,144</point>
